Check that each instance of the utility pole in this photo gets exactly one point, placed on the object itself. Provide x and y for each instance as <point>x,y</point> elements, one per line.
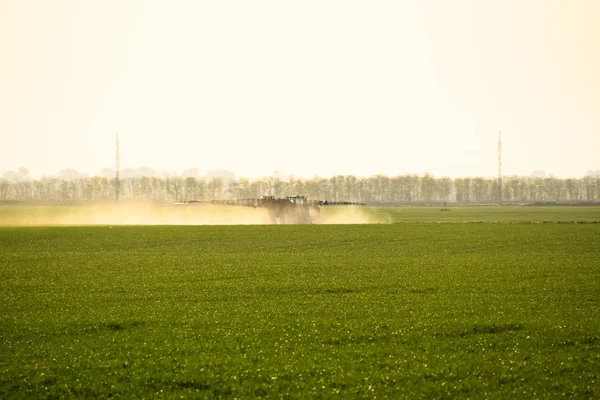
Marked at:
<point>117,172</point>
<point>499,196</point>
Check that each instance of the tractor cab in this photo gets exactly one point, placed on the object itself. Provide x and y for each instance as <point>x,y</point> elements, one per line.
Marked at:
<point>298,200</point>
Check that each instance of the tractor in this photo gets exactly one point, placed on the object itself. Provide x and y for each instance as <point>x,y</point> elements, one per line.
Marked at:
<point>296,209</point>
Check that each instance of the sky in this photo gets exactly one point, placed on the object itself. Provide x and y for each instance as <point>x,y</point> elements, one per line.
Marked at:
<point>304,88</point>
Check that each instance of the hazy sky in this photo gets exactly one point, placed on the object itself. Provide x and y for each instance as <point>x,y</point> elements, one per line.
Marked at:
<point>303,87</point>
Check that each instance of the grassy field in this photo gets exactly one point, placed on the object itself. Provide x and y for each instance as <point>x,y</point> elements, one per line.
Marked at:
<point>414,310</point>
<point>534,214</point>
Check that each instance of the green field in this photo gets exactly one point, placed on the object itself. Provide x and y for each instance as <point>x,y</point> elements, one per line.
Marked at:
<point>411,309</point>
<point>493,214</point>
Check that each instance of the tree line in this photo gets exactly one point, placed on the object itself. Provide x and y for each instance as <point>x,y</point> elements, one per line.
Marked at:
<point>377,189</point>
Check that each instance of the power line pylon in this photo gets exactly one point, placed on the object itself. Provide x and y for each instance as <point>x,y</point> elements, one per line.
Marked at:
<point>499,195</point>
<point>117,171</point>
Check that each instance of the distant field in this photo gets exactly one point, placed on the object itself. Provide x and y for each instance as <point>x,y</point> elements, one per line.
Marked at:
<point>486,214</point>
<point>226,215</point>
<point>413,310</point>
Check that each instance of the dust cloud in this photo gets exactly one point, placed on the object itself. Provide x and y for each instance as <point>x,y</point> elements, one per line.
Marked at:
<point>146,214</point>
<point>346,215</point>
<point>138,214</point>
